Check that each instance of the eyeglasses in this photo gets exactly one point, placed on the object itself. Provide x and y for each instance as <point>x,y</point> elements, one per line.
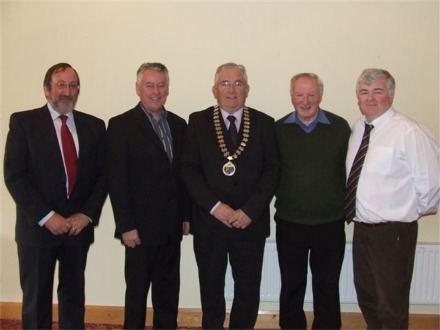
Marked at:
<point>227,84</point>
<point>63,85</point>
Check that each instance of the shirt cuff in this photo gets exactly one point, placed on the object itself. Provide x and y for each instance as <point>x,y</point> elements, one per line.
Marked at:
<point>214,208</point>
<point>47,217</point>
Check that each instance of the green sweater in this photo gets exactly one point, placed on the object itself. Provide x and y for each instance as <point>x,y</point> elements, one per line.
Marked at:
<point>312,182</point>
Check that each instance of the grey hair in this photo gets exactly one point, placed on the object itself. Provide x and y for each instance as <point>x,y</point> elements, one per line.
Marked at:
<point>151,66</point>
<point>369,76</point>
<point>308,75</point>
<point>231,65</point>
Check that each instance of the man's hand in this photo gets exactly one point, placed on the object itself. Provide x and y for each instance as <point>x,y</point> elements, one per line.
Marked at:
<point>58,225</point>
<point>78,221</point>
<point>223,213</point>
<point>240,219</point>
<point>131,238</point>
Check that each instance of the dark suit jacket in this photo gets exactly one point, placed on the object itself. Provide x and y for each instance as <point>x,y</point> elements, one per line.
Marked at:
<point>35,176</point>
<point>252,186</point>
<point>145,190</point>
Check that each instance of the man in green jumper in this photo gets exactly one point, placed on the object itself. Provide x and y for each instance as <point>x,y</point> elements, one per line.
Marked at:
<point>309,206</point>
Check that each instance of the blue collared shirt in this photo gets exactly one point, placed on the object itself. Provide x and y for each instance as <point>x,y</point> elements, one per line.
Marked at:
<point>293,119</point>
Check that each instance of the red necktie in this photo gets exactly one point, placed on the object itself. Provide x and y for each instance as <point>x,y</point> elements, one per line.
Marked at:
<point>69,152</point>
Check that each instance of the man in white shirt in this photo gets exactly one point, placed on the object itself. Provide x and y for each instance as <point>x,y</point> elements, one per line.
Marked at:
<point>398,184</point>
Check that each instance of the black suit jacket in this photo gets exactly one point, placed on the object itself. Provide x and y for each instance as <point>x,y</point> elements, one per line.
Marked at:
<point>252,186</point>
<point>35,176</point>
<point>145,190</point>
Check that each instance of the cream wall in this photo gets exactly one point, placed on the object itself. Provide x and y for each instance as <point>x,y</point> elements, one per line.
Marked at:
<point>107,41</point>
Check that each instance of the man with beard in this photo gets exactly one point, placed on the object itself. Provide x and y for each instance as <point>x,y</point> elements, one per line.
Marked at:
<point>54,170</point>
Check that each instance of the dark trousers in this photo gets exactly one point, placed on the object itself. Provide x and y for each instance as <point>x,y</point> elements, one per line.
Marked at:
<point>246,259</point>
<point>383,262</point>
<point>324,246</point>
<point>158,265</point>
<point>37,267</point>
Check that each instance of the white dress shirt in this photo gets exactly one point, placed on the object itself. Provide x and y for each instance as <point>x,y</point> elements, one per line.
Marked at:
<point>57,124</point>
<point>400,176</point>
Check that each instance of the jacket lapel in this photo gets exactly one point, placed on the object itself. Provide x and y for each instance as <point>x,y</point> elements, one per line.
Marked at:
<point>49,136</point>
<point>143,122</point>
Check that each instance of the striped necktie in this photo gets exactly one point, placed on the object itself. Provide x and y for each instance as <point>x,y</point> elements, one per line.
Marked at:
<point>355,172</point>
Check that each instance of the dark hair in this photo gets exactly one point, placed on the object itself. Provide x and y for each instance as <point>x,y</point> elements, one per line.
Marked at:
<point>55,69</point>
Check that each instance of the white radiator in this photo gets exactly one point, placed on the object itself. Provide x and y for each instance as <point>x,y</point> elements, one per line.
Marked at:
<point>425,288</point>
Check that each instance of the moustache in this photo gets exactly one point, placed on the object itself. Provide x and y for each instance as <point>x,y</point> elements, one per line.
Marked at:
<point>66,98</point>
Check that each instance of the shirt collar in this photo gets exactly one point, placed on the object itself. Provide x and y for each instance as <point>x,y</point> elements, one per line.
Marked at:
<point>237,114</point>
<point>163,112</point>
<point>293,118</point>
<point>54,114</point>
<point>321,118</point>
<point>382,119</point>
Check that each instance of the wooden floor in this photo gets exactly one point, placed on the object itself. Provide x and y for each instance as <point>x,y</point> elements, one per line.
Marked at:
<point>191,318</point>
